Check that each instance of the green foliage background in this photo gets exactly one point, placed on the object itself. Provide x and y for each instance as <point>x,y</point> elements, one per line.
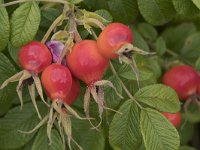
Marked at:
<point>169,27</point>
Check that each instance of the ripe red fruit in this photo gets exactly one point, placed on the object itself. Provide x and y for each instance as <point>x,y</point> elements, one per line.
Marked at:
<point>183,79</point>
<point>86,63</point>
<point>57,81</point>
<point>35,57</point>
<point>112,38</point>
<point>74,92</point>
<point>175,119</point>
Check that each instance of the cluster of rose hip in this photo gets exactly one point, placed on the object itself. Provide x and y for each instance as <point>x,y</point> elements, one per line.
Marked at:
<point>185,80</point>
<point>87,61</point>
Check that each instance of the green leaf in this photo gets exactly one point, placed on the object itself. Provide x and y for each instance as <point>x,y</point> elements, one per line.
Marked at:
<point>112,99</point>
<point>6,98</point>
<point>176,43</point>
<point>15,120</point>
<point>197,3</point>
<point>123,10</point>
<point>186,148</point>
<point>87,138</point>
<point>155,67</point>
<point>83,32</point>
<point>126,72</point>
<point>29,145</point>
<point>147,31</point>
<point>186,133</point>
<point>13,51</point>
<point>4,28</point>
<point>124,130</point>
<point>96,4</point>
<point>24,23</point>
<point>192,114</point>
<point>156,12</point>
<point>42,143</point>
<point>159,96</point>
<point>197,64</point>
<point>139,40</point>
<point>160,46</point>
<point>105,14</point>
<point>158,133</point>
<point>7,94</point>
<point>48,16</point>
<point>185,7</point>
<point>191,49</point>
<point>6,68</point>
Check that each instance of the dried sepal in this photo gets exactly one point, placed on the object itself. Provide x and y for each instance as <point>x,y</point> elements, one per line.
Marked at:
<point>31,89</point>
<point>126,52</point>
<point>38,85</point>
<point>86,103</point>
<point>74,113</point>
<point>52,118</point>
<point>14,78</point>
<point>40,124</point>
<point>98,95</point>
<point>61,130</point>
<point>108,83</point>
<point>25,75</point>
<point>19,93</point>
<point>136,71</point>
<point>66,122</point>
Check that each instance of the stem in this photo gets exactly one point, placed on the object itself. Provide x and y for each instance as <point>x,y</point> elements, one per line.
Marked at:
<point>51,28</point>
<point>178,56</point>
<point>79,22</point>
<point>73,27</point>
<point>67,46</point>
<point>123,86</point>
<point>94,34</point>
<point>47,6</point>
<point>22,1</point>
<point>74,35</point>
<point>97,22</point>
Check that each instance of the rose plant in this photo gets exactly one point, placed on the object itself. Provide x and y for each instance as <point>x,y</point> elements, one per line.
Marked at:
<point>99,75</point>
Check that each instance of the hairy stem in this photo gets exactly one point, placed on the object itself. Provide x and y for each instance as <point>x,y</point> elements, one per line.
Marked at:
<point>52,27</point>
<point>94,34</point>
<point>74,34</point>
<point>172,53</point>
<point>97,22</point>
<point>123,86</point>
<point>73,26</point>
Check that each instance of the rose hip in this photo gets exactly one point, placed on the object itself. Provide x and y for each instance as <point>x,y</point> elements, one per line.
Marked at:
<point>35,57</point>
<point>57,81</point>
<point>86,63</point>
<point>74,92</point>
<point>175,119</point>
<point>183,79</point>
<point>112,38</point>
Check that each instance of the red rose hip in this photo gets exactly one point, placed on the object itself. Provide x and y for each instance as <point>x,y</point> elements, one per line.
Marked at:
<point>74,92</point>
<point>62,89</point>
<point>183,79</point>
<point>57,81</point>
<point>112,38</point>
<point>86,63</point>
<point>35,57</point>
<point>175,119</point>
